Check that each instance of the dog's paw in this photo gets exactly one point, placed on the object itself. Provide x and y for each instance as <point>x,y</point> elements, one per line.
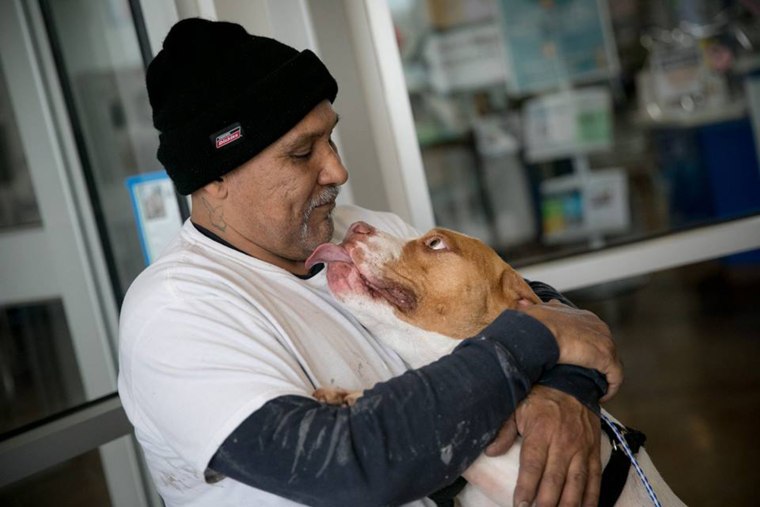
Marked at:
<point>337,396</point>
<point>351,398</point>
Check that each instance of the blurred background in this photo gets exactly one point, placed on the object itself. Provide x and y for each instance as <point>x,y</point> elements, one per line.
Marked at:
<point>606,147</point>
<point>553,126</point>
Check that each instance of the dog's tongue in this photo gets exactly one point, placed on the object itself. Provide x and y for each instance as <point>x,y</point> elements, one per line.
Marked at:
<point>328,252</point>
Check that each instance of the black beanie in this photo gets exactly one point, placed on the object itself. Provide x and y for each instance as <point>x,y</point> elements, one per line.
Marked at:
<point>220,96</point>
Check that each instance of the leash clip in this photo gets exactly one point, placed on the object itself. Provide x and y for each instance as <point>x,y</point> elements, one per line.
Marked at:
<point>623,430</point>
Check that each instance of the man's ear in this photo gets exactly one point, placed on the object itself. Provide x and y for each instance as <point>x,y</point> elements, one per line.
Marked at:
<point>216,190</point>
<point>516,289</point>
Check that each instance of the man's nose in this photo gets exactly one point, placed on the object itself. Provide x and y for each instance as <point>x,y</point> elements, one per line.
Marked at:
<point>333,172</point>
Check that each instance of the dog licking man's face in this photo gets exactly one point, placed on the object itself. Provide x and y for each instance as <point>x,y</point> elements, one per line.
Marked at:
<point>443,281</point>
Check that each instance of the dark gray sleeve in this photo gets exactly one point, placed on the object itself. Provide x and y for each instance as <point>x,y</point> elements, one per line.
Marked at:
<point>405,437</point>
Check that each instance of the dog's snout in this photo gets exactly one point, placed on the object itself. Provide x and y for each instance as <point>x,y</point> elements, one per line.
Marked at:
<point>361,228</point>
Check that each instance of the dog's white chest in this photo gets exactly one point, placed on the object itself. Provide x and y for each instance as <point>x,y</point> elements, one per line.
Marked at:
<point>416,346</point>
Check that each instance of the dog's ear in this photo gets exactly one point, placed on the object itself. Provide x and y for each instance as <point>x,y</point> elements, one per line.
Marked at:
<point>515,288</point>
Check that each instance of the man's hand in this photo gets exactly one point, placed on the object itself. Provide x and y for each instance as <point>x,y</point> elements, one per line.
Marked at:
<point>560,461</point>
<point>583,339</point>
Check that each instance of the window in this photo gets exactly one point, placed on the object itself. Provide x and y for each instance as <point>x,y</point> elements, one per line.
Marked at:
<point>552,128</point>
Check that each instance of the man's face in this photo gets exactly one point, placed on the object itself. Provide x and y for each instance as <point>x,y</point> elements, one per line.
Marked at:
<point>282,199</point>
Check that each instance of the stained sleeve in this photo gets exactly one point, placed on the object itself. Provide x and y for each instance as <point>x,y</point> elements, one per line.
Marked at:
<point>585,384</point>
<point>405,437</point>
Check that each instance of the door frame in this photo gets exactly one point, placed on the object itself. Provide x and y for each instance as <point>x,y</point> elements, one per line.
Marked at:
<point>61,258</point>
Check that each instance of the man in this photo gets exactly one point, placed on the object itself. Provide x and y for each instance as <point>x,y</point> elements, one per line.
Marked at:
<point>225,337</point>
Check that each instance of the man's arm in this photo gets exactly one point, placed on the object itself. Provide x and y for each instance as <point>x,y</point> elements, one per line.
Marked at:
<point>403,438</point>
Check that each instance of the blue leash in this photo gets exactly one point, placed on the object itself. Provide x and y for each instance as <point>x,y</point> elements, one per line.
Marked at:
<point>627,450</point>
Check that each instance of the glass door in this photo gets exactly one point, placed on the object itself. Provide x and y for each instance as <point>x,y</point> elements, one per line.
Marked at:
<point>57,300</point>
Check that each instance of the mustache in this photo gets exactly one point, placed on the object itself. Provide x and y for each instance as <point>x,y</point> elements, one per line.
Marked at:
<point>327,195</point>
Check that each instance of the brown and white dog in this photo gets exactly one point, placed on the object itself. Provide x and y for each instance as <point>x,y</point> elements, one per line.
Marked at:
<point>420,297</point>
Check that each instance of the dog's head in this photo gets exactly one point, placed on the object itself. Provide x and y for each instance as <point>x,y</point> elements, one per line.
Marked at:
<point>443,281</point>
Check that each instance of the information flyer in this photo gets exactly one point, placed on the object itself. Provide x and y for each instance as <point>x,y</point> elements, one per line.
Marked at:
<point>156,210</point>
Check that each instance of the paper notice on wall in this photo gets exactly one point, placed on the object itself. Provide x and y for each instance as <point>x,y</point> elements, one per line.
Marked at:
<point>568,123</point>
<point>156,211</point>
<point>467,58</point>
<point>575,207</point>
<point>607,201</point>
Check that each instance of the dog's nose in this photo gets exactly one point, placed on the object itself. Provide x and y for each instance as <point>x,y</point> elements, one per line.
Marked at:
<point>361,228</point>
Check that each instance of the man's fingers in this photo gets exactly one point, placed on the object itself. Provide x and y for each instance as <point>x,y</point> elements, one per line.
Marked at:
<point>533,457</point>
<point>614,379</point>
<point>553,481</point>
<point>613,373</point>
<point>583,339</point>
<point>560,457</point>
<point>504,439</point>
<point>594,481</point>
<point>575,483</point>
<point>596,351</point>
<point>612,389</point>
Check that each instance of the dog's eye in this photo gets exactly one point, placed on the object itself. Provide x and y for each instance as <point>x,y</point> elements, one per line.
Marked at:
<point>435,243</point>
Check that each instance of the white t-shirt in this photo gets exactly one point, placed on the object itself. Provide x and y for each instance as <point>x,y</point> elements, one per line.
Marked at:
<point>209,334</point>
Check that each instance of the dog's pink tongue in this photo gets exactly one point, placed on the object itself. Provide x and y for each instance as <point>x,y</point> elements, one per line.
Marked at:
<point>327,252</point>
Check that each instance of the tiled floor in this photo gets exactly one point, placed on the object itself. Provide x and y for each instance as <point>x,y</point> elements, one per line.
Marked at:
<point>690,340</point>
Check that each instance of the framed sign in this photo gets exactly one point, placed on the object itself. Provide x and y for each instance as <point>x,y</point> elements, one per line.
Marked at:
<point>156,211</point>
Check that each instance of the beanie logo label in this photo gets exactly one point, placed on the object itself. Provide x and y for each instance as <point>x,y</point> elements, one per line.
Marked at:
<point>227,135</point>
